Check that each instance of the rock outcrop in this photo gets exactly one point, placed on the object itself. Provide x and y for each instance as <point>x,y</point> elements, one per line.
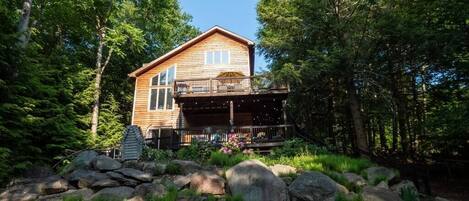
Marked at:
<point>254,181</point>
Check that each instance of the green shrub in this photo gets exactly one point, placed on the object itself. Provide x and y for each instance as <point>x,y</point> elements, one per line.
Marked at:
<point>296,147</point>
<point>409,194</point>
<point>150,154</point>
<point>343,197</point>
<point>234,198</point>
<point>379,179</point>
<point>106,198</point>
<point>341,163</point>
<point>225,160</point>
<point>198,150</point>
<point>73,198</point>
<point>339,178</point>
<point>173,168</point>
<point>171,195</point>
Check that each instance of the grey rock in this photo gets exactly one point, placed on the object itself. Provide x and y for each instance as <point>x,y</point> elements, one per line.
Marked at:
<point>105,163</point>
<point>379,194</point>
<point>207,182</point>
<point>82,161</point>
<point>282,170</point>
<point>55,186</point>
<point>315,186</point>
<point>83,193</point>
<point>383,184</point>
<point>188,167</point>
<point>90,175</point>
<point>374,172</point>
<point>21,192</point>
<point>104,183</point>
<point>254,181</point>
<point>122,179</point>
<point>135,174</point>
<point>121,192</point>
<point>403,185</point>
<point>354,179</point>
<point>154,168</point>
<point>181,181</point>
<point>150,189</point>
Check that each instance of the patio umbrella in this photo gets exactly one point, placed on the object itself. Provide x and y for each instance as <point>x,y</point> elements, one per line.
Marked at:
<point>230,74</point>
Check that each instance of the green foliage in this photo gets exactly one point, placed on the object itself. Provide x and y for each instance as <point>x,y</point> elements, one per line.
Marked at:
<point>151,154</point>
<point>296,147</point>
<point>409,194</point>
<point>73,198</point>
<point>171,195</point>
<point>46,88</point>
<point>198,151</point>
<point>173,168</point>
<point>225,160</point>
<point>234,198</point>
<point>343,197</point>
<point>379,179</point>
<point>107,198</point>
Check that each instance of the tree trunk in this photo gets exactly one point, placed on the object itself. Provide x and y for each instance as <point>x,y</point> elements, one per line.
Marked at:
<point>24,24</point>
<point>357,120</point>
<point>97,84</point>
<point>382,135</point>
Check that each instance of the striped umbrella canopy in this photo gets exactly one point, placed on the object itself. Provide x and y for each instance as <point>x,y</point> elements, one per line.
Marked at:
<point>230,74</point>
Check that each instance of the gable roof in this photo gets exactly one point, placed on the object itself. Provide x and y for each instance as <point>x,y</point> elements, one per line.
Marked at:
<point>213,30</point>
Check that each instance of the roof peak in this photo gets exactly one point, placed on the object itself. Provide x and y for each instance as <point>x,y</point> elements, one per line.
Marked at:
<point>175,51</point>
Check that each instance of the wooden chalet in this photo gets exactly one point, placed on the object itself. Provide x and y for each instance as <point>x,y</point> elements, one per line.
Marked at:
<point>206,88</point>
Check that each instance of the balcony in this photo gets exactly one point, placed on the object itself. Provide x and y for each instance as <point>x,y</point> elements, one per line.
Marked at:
<point>226,86</point>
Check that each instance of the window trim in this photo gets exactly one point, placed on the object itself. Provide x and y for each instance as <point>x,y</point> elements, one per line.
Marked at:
<point>213,57</point>
<point>159,87</point>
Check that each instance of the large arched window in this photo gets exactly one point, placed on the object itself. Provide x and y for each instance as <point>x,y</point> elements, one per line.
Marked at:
<point>161,90</point>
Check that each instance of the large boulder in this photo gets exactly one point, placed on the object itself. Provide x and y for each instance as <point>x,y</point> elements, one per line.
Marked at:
<point>117,193</point>
<point>20,192</point>
<point>122,179</point>
<point>354,179</point>
<point>282,170</point>
<point>181,181</point>
<point>154,168</point>
<point>82,161</point>
<point>32,188</point>
<point>104,184</point>
<point>105,163</point>
<point>315,186</point>
<point>84,193</point>
<point>135,174</point>
<point>84,178</point>
<point>55,186</point>
<point>379,194</point>
<point>255,182</point>
<point>188,167</point>
<point>150,189</point>
<point>374,173</point>
<point>404,184</point>
<point>207,182</point>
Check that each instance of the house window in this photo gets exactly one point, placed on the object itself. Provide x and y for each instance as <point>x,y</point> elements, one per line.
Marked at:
<point>217,57</point>
<point>161,96</point>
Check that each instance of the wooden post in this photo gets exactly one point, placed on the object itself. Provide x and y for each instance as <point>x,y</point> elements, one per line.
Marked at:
<point>231,113</point>
<point>284,108</point>
<point>210,85</point>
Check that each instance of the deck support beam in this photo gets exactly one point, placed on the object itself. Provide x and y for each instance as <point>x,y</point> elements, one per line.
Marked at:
<point>284,108</point>
<point>231,114</point>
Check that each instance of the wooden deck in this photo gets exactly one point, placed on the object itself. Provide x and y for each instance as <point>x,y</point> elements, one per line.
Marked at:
<point>267,136</point>
<point>232,86</point>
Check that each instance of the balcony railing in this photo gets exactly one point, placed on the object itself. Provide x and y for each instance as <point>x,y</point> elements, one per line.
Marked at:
<point>226,86</point>
<point>217,135</point>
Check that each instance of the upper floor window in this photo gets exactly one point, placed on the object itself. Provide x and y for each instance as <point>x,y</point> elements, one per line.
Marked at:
<point>217,57</point>
<point>161,90</point>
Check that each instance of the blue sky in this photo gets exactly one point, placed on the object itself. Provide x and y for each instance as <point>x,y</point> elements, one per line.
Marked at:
<point>238,16</point>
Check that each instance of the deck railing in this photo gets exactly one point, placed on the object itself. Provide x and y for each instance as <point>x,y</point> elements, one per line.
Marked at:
<point>226,85</point>
<point>217,135</point>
